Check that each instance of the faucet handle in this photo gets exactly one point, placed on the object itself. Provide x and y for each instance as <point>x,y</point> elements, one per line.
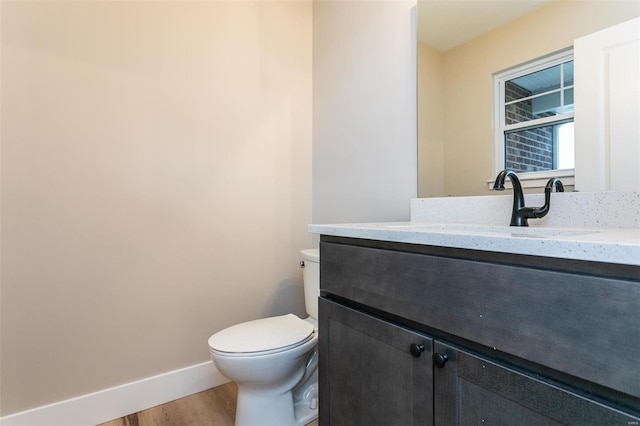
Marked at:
<point>554,182</point>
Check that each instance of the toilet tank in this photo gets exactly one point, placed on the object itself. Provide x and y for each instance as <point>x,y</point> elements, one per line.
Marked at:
<point>311,277</point>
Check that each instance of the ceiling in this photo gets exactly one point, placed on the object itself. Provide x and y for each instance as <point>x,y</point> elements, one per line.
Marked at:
<point>445,24</point>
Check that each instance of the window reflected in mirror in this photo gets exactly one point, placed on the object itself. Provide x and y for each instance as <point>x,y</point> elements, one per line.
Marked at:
<point>540,148</point>
<point>536,114</point>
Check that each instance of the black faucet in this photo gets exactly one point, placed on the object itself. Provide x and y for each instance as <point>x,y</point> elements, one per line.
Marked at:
<point>520,214</point>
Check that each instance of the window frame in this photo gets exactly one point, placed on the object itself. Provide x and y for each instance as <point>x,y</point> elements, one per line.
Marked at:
<point>528,179</point>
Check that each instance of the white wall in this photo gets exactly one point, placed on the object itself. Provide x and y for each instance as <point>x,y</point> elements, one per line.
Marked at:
<point>364,110</point>
<point>156,177</point>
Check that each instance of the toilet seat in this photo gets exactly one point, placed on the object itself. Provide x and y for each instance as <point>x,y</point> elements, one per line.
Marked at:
<point>262,337</point>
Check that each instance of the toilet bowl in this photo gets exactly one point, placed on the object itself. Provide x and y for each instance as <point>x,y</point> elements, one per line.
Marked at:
<point>274,361</point>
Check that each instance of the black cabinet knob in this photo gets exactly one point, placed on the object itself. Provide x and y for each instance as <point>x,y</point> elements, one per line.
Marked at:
<point>416,349</point>
<point>439,360</point>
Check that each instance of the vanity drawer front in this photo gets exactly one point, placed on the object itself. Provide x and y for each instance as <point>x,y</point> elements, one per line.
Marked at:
<point>584,325</point>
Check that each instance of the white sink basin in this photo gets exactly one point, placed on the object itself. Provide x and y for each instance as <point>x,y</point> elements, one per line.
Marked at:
<point>513,231</point>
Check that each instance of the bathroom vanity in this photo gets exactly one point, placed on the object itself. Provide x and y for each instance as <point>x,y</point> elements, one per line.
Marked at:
<point>451,324</point>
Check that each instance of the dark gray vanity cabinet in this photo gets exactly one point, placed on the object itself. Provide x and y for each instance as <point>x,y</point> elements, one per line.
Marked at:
<point>502,339</point>
<point>375,373</point>
<point>472,390</point>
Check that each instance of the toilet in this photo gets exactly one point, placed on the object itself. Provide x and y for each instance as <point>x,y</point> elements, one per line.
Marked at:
<point>274,360</point>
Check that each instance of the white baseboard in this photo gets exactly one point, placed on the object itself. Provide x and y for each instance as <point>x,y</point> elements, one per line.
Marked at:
<point>119,401</point>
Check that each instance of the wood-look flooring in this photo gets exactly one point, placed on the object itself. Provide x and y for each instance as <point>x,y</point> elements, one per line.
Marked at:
<point>213,407</point>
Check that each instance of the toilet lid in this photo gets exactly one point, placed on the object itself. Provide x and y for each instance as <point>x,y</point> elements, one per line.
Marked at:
<point>262,335</point>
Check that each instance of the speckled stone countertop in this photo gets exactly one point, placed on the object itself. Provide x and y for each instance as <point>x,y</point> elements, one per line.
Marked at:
<point>601,227</point>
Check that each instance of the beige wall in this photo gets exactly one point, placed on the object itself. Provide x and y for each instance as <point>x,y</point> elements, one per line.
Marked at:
<point>468,73</point>
<point>156,177</point>
<point>431,137</point>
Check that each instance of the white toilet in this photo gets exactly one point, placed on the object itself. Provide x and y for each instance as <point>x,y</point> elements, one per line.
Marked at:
<point>274,360</point>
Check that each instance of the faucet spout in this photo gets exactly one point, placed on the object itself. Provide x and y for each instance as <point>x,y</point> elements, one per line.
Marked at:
<point>518,218</point>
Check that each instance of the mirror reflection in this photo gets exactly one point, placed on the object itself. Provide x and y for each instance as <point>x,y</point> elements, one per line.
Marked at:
<point>472,124</point>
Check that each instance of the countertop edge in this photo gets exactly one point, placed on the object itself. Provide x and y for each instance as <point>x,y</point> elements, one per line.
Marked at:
<point>609,247</point>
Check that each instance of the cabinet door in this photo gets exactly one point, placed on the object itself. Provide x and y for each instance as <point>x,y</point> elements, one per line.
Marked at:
<point>470,390</point>
<point>368,375</point>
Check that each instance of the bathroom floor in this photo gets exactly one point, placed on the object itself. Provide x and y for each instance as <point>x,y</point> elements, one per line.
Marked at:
<point>213,407</point>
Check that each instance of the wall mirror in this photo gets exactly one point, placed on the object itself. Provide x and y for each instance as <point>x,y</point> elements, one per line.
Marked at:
<point>462,44</point>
